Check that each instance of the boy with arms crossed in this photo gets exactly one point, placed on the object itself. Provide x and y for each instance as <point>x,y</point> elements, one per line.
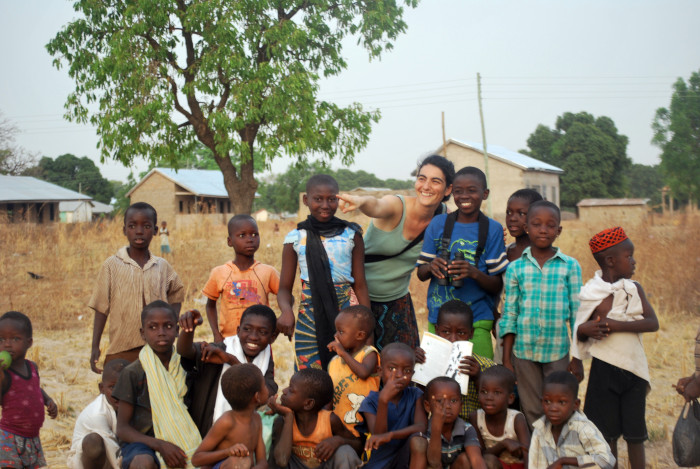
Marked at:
<point>127,282</point>
<point>614,313</point>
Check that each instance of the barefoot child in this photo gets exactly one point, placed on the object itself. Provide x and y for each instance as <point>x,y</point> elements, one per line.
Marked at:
<point>476,277</point>
<point>21,397</point>
<point>164,235</point>
<point>305,434</point>
<point>330,253</point>
<point>153,425</point>
<point>564,437</point>
<point>240,283</point>
<point>542,288</point>
<point>127,282</point>
<point>354,368</point>
<point>235,440</point>
<point>395,412</point>
<point>454,323</point>
<point>449,442</point>
<point>95,443</point>
<point>207,362</point>
<point>503,432</point>
<point>614,313</point>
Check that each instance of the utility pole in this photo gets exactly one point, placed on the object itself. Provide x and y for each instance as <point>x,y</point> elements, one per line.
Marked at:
<point>483,140</point>
<point>444,142</point>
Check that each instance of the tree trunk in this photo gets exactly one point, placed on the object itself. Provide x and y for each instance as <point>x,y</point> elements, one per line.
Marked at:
<point>241,189</point>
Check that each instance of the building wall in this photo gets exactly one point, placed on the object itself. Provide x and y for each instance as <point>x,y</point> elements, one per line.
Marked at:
<point>158,191</point>
<point>601,217</point>
<point>183,220</point>
<point>547,184</point>
<point>32,212</point>
<point>504,179</point>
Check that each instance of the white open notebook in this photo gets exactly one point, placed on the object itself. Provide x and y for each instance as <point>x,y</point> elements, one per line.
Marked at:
<point>442,358</point>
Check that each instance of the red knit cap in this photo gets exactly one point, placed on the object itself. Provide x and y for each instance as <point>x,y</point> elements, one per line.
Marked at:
<point>607,238</point>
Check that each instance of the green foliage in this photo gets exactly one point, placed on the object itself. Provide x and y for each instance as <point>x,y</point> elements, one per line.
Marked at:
<point>156,76</point>
<point>677,133</point>
<point>77,174</point>
<point>196,157</point>
<point>591,153</point>
<point>281,192</point>
<point>646,183</point>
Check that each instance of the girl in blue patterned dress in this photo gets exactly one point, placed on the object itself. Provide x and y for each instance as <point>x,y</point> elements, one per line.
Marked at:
<point>330,253</point>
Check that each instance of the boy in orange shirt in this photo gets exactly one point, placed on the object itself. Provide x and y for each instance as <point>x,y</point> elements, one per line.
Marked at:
<point>240,283</point>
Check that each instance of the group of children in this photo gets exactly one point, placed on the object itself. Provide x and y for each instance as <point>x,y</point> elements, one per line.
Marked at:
<point>166,399</point>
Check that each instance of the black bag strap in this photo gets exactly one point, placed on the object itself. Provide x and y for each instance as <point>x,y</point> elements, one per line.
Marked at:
<point>369,258</point>
<point>482,236</point>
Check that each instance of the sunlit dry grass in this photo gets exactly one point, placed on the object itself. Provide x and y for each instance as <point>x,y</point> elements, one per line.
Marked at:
<point>69,256</point>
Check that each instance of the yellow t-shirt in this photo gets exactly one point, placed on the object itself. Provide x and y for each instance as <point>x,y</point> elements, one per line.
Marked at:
<point>350,390</point>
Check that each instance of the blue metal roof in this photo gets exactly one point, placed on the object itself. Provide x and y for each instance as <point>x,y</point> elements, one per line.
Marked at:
<point>201,182</point>
<point>513,157</point>
<point>23,189</point>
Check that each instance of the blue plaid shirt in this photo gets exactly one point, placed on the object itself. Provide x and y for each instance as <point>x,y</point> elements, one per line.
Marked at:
<point>539,304</point>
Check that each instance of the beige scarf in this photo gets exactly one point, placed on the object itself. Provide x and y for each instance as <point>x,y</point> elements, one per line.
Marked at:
<point>166,389</point>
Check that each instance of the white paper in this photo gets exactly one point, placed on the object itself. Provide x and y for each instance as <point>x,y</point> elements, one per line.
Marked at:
<point>442,358</point>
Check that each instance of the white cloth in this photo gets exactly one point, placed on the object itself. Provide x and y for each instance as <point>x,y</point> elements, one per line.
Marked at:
<point>233,346</point>
<point>621,349</point>
<point>98,417</point>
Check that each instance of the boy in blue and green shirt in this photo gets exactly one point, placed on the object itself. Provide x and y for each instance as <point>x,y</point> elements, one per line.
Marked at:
<point>542,289</point>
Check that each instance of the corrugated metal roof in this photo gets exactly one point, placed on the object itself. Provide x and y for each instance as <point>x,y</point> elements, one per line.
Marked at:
<point>509,156</point>
<point>200,182</point>
<point>71,206</point>
<point>24,189</point>
<point>610,202</point>
<point>99,207</point>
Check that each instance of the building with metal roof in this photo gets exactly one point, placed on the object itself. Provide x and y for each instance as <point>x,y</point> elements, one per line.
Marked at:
<point>508,171</point>
<point>28,199</point>
<point>178,195</point>
<point>599,214</point>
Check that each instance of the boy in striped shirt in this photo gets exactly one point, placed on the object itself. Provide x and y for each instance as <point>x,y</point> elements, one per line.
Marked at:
<point>542,289</point>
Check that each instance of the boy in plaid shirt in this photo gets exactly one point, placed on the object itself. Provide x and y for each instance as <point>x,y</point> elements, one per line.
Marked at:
<point>542,289</point>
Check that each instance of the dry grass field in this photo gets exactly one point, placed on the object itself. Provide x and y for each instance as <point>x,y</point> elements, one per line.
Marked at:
<point>69,256</point>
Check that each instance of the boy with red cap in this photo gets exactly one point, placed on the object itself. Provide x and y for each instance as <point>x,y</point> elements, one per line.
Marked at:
<point>613,314</point>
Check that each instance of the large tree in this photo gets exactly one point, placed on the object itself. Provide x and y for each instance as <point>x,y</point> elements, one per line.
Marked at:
<point>591,152</point>
<point>677,133</point>
<point>13,158</point>
<point>241,77</point>
<point>77,174</point>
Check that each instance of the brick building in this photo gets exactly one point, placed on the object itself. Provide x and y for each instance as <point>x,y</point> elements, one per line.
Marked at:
<point>185,196</point>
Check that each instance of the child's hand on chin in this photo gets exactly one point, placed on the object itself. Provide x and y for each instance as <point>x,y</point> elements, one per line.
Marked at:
<point>393,388</point>
<point>277,407</point>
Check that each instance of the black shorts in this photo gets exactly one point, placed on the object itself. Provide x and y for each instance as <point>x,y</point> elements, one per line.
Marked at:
<point>616,402</point>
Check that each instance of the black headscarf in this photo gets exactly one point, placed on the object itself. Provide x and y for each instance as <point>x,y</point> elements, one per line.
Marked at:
<point>323,296</point>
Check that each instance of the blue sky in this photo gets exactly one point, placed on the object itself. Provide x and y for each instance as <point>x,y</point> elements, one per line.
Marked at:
<point>537,59</point>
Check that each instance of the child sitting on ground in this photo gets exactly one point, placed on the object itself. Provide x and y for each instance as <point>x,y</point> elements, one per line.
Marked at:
<point>206,363</point>
<point>240,283</point>
<point>95,442</point>
<point>476,278</point>
<point>354,368</point>
<point>21,397</point>
<point>454,323</point>
<point>503,432</point>
<point>457,446</point>
<point>153,425</point>
<point>614,313</point>
<point>563,436</point>
<point>306,435</point>
<point>395,412</point>
<point>235,440</point>
<point>542,288</point>
<point>128,280</point>
<point>330,253</point>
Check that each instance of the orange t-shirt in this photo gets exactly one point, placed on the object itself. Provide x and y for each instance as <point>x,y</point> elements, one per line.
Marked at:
<point>304,447</point>
<point>238,290</point>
